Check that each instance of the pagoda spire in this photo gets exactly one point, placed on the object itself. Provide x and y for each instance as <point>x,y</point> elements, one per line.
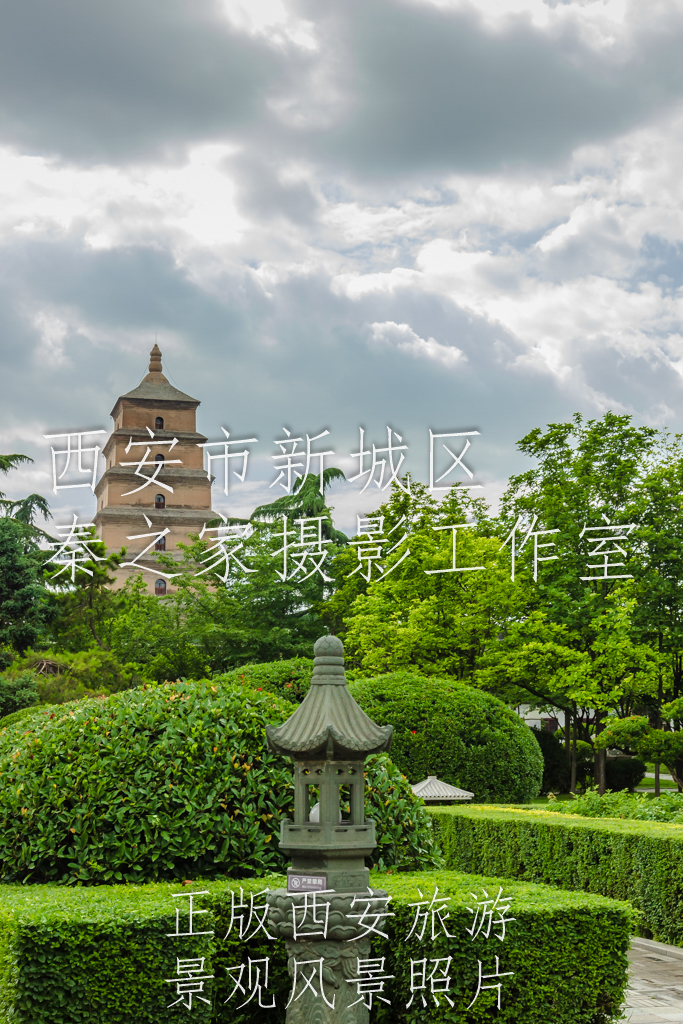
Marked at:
<point>155,359</point>
<point>155,376</point>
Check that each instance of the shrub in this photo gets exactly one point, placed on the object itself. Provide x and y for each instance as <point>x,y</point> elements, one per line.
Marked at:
<point>19,716</point>
<point>465,736</point>
<point>624,773</point>
<point>165,782</point>
<point>289,678</point>
<point>632,860</point>
<point>100,956</point>
<point>17,692</point>
<point>63,676</point>
<point>639,807</point>
<point>556,766</point>
<point>402,823</point>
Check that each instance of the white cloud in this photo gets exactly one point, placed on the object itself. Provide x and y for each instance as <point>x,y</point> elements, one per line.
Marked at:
<point>193,203</point>
<point>404,339</point>
<point>294,265</point>
<point>272,19</point>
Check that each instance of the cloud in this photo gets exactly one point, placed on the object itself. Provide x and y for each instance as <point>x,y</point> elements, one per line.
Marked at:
<point>404,339</point>
<point>433,89</point>
<point>422,214</point>
<point>136,80</point>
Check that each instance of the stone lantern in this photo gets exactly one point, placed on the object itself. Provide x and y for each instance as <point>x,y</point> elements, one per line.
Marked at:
<point>328,737</point>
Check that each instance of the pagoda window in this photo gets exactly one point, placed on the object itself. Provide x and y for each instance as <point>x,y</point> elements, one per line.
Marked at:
<point>160,544</point>
<point>159,423</point>
<point>160,501</point>
<point>160,588</point>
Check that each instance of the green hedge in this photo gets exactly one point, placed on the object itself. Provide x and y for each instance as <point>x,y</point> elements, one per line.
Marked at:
<point>100,955</point>
<point>639,861</point>
<point>465,736</point>
<point>289,678</point>
<point>169,781</point>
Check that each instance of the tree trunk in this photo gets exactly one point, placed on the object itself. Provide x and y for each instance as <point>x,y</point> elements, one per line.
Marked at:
<point>676,770</point>
<point>572,786</point>
<point>658,722</point>
<point>599,758</point>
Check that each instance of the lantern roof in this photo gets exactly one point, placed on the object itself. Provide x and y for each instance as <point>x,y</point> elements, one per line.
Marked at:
<point>329,724</point>
<point>432,788</point>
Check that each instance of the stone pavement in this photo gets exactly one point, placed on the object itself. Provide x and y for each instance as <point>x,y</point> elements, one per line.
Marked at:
<point>655,993</point>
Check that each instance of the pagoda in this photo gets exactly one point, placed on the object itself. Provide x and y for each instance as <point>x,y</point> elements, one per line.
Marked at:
<point>147,420</point>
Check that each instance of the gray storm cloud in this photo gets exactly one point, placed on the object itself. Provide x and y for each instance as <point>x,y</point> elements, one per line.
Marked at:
<point>406,214</point>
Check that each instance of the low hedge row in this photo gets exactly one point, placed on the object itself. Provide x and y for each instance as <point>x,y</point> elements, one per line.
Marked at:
<point>99,955</point>
<point>639,861</point>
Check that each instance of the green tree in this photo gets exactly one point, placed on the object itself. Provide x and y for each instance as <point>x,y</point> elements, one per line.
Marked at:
<point>211,626</point>
<point>657,508</point>
<point>636,735</point>
<point>420,614</point>
<point>26,509</point>
<point>585,472</point>
<point>82,609</point>
<point>307,501</point>
<point>22,596</point>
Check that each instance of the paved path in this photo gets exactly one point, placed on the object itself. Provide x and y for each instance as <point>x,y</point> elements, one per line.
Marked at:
<point>655,993</point>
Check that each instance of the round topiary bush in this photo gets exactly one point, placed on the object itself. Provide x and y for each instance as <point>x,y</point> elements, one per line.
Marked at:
<point>289,677</point>
<point>168,781</point>
<point>463,735</point>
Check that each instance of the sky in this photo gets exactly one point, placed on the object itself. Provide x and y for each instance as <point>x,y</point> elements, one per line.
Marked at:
<point>416,214</point>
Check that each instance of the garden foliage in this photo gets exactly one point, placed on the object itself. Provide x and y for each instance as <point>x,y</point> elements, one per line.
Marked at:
<point>22,610</point>
<point>624,773</point>
<point>464,736</point>
<point>61,676</point>
<point>17,692</point>
<point>290,678</point>
<point>100,955</point>
<point>556,764</point>
<point>630,860</point>
<point>163,782</point>
<point>639,807</point>
<point>168,781</point>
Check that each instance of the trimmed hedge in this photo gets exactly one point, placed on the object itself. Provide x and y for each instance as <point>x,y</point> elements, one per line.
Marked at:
<point>465,736</point>
<point>289,678</point>
<point>17,716</point>
<point>639,861</point>
<point>169,782</point>
<point>100,955</point>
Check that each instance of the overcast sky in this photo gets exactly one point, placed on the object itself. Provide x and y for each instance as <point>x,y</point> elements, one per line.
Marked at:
<point>335,213</point>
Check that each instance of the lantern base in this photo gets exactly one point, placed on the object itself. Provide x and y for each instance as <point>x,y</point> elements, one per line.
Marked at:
<point>338,852</point>
<point>326,994</point>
